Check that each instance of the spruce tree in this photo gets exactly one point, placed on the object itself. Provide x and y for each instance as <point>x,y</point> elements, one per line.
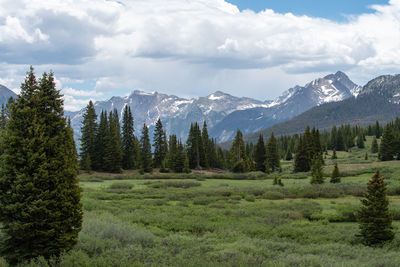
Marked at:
<point>206,145</point>
<point>316,170</point>
<point>260,154</point>
<point>288,155</point>
<point>128,140</point>
<point>172,153</point>
<point>374,146</point>
<point>387,147</point>
<point>335,177</point>
<point>272,154</point>
<point>113,150</point>
<point>238,154</point>
<point>100,144</point>
<point>378,133</point>
<point>375,220</point>
<point>180,158</point>
<point>40,210</point>
<point>360,141</point>
<point>145,151</point>
<point>301,159</point>
<point>160,145</point>
<point>3,117</point>
<point>88,138</point>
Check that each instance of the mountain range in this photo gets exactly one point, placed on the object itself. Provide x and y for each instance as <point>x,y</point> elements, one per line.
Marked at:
<point>223,112</point>
<point>378,100</point>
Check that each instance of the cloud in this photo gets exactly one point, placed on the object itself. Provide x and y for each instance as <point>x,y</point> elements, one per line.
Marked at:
<point>189,47</point>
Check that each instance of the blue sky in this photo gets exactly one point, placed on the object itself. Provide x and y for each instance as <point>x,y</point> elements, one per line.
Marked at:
<point>98,49</point>
<point>334,10</point>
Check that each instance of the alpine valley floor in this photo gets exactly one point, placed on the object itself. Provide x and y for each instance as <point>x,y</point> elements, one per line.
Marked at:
<point>230,219</point>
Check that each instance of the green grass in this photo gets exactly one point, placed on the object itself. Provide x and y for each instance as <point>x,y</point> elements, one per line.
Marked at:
<point>230,220</point>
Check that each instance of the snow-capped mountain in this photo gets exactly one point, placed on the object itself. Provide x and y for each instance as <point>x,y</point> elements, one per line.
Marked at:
<point>175,112</point>
<point>296,100</point>
<point>224,113</point>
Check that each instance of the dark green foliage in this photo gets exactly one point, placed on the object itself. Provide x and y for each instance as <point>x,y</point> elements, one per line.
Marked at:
<point>378,132</point>
<point>101,138</point>
<point>160,144</point>
<point>387,148</point>
<point>195,148</point>
<point>360,141</point>
<point>374,146</point>
<point>289,155</point>
<point>301,159</point>
<point>335,177</point>
<point>3,117</point>
<point>316,170</point>
<point>375,221</point>
<point>40,208</point>
<point>366,156</point>
<point>180,158</point>
<point>334,156</point>
<point>129,145</point>
<point>206,145</point>
<point>238,154</point>
<point>113,151</point>
<point>172,153</point>
<point>260,154</point>
<point>145,150</point>
<point>272,155</point>
<point>88,138</point>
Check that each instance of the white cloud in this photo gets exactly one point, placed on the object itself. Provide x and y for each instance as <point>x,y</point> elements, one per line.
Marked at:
<point>190,47</point>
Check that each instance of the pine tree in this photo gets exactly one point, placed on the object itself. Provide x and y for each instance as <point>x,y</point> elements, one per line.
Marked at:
<point>160,144</point>
<point>128,140</point>
<point>238,154</point>
<point>374,146</point>
<point>335,177</point>
<point>206,145</point>
<point>288,155</point>
<point>145,150</point>
<point>375,220</point>
<point>197,158</point>
<point>172,153</point>
<point>366,156</point>
<point>387,147</point>
<point>260,154</point>
<point>378,133</point>
<point>301,159</point>
<point>272,155</point>
<point>100,144</point>
<point>88,138</point>
<point>40,208</point>
<point>316,170</point>
<point>113,150</point>
<point>360,141</point>
<point>180,158</point>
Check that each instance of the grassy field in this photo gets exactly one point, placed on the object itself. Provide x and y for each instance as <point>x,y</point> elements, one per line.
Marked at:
<point>231,220</point>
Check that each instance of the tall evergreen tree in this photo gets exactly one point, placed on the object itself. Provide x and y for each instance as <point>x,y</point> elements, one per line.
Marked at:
<point>88,138</point>
<point>360,141</point>
<point>375,220</point>
<point>195,147</point>
<point>145,151</point>
<point>113,150</point>
<point>316,170</point>
<point>378,133</point>
<point>374,146</point>
<point>3,117</point>
<point>128,140</point>
<point>387,147</point>
<point>335,177</point>
<point>272,155</point>
<point>238,154</point>
<point>100,144</point>
<point>260,154</point>
<point>160,145</point>
<point>40,210</point>
<point>172,152</point>
<point>301,159</point>
<point>206,145</point>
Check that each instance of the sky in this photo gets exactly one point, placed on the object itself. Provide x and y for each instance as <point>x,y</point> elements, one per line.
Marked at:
<point>98,49</point>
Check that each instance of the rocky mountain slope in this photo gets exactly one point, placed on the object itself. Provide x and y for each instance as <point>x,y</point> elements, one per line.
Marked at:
<point>225,113</point>
<point>379,100</point>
